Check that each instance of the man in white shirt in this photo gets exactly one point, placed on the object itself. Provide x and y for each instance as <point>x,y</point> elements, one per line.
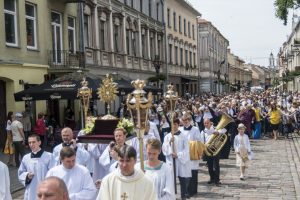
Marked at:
<point>77,177</point>
<point>18,138</point>
<point>127,182</point>
<point>82,156</point>
<point>4,183</point>
<point>212,161</point>
<point>34,167</point>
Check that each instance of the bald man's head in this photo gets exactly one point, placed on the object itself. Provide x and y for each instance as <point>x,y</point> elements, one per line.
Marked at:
<point>66,134</point>
<point>207,123</point>
<point>52,188</point>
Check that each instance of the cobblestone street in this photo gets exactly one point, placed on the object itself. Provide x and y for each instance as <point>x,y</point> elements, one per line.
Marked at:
<point>273,174</point>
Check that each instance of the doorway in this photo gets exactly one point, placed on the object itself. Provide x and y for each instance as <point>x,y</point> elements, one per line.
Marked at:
<point>2,113</point>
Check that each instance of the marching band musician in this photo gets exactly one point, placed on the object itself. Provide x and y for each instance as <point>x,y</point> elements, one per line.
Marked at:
<point>242,149</point>
<point>193,134</point>
<point>212,161</point>
<point>181,154</point>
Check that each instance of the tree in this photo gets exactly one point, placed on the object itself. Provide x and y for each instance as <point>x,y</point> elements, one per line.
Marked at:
<point>283,6</point>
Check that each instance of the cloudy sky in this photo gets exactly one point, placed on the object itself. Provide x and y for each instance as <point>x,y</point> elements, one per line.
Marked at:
<point>250,26</point>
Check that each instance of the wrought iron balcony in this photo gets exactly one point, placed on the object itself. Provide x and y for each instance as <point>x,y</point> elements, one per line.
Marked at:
<point>64,59</point>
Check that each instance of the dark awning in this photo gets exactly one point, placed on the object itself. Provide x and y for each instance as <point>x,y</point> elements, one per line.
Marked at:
<point>66,87</point>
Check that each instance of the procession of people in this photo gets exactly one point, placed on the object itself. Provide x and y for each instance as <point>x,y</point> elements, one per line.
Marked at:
<point>200,131</point>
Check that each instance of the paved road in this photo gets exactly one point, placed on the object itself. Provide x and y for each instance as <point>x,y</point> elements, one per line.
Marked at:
<point>273,174</point>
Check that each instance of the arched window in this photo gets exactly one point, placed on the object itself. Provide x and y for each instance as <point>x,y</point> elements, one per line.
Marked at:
<point>103,28</point>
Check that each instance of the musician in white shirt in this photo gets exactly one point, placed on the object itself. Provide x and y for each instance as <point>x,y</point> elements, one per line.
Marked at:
<point>212,161</point>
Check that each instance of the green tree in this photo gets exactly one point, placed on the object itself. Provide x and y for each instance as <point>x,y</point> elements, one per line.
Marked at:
<point>283,6</point>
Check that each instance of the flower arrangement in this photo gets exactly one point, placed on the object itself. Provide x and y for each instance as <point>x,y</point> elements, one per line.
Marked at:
<point>90,125</point>
<point>127,125</point>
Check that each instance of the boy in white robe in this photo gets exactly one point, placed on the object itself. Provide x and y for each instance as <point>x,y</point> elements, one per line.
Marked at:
<point>34,167</point>
<point>77,177</point>
<point>4,183</point>
<point>159,171</point>
<point>193,134</point>
<point>136,144</point>
<point>180,153</point>
<point>126,182</point>
<point>82,156</point>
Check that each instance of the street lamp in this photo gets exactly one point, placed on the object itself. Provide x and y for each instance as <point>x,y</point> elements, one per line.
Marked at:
<point>157,63</point>
<point>272,65</point>
<point>218,77</point>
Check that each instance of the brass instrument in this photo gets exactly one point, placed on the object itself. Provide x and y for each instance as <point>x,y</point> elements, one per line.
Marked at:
<point>216,142</point>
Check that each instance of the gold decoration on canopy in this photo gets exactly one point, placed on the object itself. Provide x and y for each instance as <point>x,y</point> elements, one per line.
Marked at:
<point>107,93</point>
<point>138,106</point>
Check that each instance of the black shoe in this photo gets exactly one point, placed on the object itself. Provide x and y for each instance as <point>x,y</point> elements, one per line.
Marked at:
<point>210,182</point>
<point>218,183</point>
<point>187,196</point>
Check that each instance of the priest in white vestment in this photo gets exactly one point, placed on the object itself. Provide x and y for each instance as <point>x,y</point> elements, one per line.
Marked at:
<point>4,183</point>
<point>82,156</point>
<point>127,183</point>
<point>34,167</point>
<point>160,172</point>
<point>77,177</point>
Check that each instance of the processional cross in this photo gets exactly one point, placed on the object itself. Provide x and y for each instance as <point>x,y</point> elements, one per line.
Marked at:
<point>124,196</point>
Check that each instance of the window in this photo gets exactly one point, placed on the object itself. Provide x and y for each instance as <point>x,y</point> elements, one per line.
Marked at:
<point>71,34</point>
<point>152,47</point>
<point>10,18</point>
<point>132,3</point>
<point>194,56</point>
<point>186,57</point>
<point>102,34</point>
<point>159,49</point>
<point>134,35</point>
<point>150,8</point>
<point>56,23</point>
<point>179,19</point>
<point>86,30</point>
<point>157,11</point>
<point>191,59</point>
<point>176,55</point>
<point>141,5</point>
<point>116,37</point>
<point>181,56</point>
<point>193,31</point>
<point>184,27</point>
<point>174,21</point>
<point>168,17</point>
<point>170,53</point>
<point>189,29</point>
<point>128,34</point>
<point>30,11</point>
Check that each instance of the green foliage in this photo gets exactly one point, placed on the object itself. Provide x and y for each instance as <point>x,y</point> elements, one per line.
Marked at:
<point>282,8</point>
<point>159,77</point>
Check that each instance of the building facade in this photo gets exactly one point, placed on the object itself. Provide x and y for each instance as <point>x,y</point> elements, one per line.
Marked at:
<point>124,37</point>
<point>181,32</point>
<point>34,35</point>
<point>213,62</point>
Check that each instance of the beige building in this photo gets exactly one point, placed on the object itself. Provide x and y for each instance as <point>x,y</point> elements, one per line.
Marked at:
<point>239,75</point>
<point>181,29</point>
<point>34,33</point>
<point>213,62</point>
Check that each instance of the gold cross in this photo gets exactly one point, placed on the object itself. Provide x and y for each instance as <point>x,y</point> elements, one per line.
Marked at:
<point>124,196</point>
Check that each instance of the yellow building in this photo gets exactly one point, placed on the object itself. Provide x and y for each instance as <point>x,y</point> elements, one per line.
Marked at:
<point>31,29</point>
<point>181,30</point>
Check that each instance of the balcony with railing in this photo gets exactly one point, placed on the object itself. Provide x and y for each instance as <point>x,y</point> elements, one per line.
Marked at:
<point>65,60</point>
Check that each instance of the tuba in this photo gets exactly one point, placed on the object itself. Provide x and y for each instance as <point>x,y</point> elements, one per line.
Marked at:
<point>216,142</point>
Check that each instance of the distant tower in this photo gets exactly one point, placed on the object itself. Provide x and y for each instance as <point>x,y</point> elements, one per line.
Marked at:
<point>271,61</point>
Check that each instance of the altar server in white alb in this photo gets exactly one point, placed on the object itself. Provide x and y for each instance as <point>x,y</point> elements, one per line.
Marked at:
<point>77,177</point>
<point>158,171</point>
<point>34,167</point>
<point>181,154</point>
<point>82,156</point>
<point>127,182</point>
<point>193,134</point>
<point>108,159</point>
<point>4,183</point>
<point>135,142</point>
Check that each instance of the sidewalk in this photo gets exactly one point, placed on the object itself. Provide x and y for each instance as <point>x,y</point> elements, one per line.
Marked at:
<point>272,174</point>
